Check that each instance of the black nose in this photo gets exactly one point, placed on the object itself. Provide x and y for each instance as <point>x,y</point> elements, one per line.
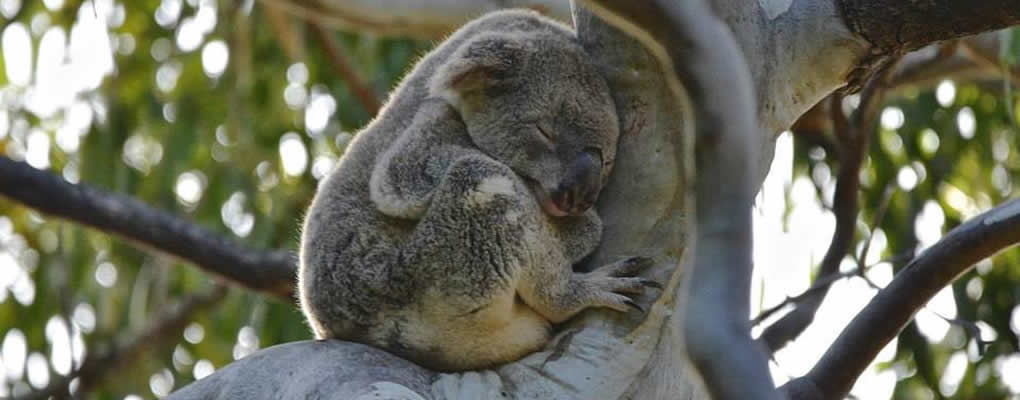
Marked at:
<point>581,183</point>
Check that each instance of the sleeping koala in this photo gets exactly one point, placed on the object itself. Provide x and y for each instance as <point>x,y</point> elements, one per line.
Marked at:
<point>447,233</point>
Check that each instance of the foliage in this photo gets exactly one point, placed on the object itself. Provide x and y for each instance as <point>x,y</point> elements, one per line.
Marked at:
<point>164,129</point>
<point>938,157</point>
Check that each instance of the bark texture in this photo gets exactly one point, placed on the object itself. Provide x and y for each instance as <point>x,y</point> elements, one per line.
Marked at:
<point>901,26</point>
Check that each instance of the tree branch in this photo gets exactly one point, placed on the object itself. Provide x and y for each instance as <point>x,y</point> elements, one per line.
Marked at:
<point>698,51</point>
<point>895,305</point>
<point>429,19</point>
<point>895,26</point>
<point>272,272</point>
<point>365,95</point>
<point>989,59</point>
<point>104,359</point>
<point>969,59</point>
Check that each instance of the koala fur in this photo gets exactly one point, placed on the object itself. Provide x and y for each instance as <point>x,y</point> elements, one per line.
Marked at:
<point>447,232</point>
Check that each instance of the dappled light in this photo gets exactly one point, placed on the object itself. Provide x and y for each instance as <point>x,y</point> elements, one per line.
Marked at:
<point>966,122</point>
<point>214,58</point>
<point>293,154</point>
<point>189,187</point>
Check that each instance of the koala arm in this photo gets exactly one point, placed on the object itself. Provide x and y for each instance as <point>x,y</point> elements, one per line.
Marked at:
<point>406,174</point>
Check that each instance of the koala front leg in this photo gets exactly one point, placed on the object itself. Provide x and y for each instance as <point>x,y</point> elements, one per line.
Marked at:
<point>473,229</point>
<point>561,294</point>
<point>408,171</point>
<point>484,223</point>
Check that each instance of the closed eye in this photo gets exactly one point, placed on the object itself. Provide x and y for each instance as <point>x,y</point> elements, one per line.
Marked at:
<point>545,133</point>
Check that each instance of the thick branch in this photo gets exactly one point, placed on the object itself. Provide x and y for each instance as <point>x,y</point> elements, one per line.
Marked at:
<point>889,311</point>
<point>896,26</point>
<point>266,271</point>
<point>692,43</point>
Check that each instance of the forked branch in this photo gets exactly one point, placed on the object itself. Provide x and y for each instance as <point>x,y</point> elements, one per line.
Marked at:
<point>704,64</point>
<point>895,305</point>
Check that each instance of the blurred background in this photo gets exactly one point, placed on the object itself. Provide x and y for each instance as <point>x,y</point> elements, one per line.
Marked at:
<point>227,113</point>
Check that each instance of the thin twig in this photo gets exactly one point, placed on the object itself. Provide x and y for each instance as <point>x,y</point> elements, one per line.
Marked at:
<point>365,95</point>
<point>819,284</point>
<point>270,272</point>
<point>971,327</point>
<point>108,357</point>
<point>423,19</point>
<point>883,206</point>
<point>991,61</point>
<point>937,66</point>
<point>900,257</point>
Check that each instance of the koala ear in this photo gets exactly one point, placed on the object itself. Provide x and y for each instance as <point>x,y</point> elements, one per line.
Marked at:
<point>480,63</point>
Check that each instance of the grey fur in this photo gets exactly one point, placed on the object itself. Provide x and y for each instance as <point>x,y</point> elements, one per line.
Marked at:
<point>447,232</point>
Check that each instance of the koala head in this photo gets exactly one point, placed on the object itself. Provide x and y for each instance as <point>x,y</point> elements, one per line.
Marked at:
<point>533,101</point>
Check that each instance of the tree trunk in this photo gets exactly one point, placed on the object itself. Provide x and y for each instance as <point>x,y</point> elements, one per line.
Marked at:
<point>798,52</point>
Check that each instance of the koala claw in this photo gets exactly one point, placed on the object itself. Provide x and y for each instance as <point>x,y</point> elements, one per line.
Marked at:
<point>617,283</point>
<point>652,284</point>
<point>627,267</point>
<point>634,305</point>
<point>628,285</point>
<point>616,302</point>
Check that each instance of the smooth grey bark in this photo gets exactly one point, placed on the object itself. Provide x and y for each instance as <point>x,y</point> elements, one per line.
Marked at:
<point>313,370</point>
<point>798,52</point>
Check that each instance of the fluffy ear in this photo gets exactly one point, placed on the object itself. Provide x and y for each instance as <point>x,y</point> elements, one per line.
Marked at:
<point>482,62</point>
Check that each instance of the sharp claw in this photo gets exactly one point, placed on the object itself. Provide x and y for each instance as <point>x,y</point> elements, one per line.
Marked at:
<point>652,284</point>
<point>639,260</point>
<point>633,305</point>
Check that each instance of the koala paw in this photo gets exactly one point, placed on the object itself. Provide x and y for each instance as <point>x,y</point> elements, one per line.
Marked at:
<point>613,285</point>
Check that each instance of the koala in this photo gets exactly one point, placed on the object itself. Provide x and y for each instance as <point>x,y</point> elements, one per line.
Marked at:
<point>448,230</point>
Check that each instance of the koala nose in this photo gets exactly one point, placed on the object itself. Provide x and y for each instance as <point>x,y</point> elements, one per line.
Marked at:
<point>581,183</point>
